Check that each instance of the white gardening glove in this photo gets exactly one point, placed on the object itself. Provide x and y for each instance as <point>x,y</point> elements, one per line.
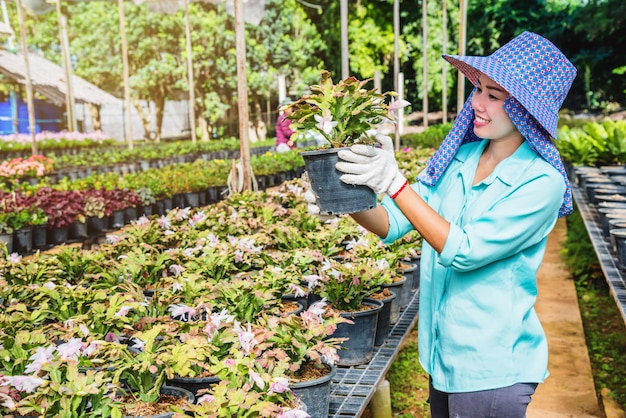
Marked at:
<point>373,167</point>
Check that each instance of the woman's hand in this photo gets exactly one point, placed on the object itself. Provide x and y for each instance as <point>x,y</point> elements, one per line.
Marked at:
<point>373,167</point>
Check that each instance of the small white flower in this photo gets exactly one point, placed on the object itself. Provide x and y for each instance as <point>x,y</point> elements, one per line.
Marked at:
<point>39,358</point>
<point>397,104</point>
<point>123,311</point>
<point>279,385</point>
<point>70,350</point>
<point>176,269</point>
<point>257,379</point>
<point>25,383</point>
<point>113,239</point>
<point>325,123</point>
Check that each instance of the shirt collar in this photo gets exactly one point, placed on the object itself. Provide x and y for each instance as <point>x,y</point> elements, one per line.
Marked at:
<point>507,173</point>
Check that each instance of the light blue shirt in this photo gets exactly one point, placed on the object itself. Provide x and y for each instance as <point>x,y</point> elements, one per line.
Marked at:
<point>478,328</point>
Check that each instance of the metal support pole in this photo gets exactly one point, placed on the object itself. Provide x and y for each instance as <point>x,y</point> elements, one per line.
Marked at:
<point>396,43</point>
<point>345,60</point>
<point>29,84</point>
<point>242,94</point>
<point>460,94</point>
<point>67,68</point>
<point>444,71</point>
<point>192,98</point>
<point>128,123</point>
<point>425,61</point>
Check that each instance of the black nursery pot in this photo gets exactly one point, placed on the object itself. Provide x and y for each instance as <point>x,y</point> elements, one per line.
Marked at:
<point>334,197</point>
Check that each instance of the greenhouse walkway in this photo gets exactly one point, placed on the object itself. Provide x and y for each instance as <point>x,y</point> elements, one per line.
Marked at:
<point>569,390</point>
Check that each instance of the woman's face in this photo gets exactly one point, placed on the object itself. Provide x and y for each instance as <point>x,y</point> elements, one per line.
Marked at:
<point>491,121</point>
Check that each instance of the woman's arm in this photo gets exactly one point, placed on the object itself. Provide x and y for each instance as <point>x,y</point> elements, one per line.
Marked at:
<point>432,227</point>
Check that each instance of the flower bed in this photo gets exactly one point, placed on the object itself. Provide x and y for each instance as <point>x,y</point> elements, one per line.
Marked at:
<point>215,277</point>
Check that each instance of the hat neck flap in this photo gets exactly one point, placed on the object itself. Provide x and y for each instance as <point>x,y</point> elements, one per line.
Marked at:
<point>462,132</point>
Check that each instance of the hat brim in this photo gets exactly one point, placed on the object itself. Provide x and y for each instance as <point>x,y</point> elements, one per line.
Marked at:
<point>473,66</point>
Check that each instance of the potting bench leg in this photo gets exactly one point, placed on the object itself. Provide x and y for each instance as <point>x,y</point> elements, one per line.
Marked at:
<point>380,405</point>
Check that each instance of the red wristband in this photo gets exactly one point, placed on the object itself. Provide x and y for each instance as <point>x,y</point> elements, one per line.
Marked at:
<point>406,182</point>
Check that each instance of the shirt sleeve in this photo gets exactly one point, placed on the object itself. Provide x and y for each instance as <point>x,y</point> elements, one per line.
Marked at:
<point>399,225</point>
<point>519,220</point>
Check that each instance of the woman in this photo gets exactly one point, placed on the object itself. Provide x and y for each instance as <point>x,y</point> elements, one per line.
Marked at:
<point>284,142</point>
<point>484,206</point>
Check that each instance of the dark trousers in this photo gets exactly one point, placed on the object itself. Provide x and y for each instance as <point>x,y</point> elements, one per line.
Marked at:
<point>507,402</point>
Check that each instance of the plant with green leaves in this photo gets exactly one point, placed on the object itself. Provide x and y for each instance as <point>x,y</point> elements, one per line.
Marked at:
<point>345,285</point>
<point>138,365</point>
<point>65,380</point>
<point>344,113</point>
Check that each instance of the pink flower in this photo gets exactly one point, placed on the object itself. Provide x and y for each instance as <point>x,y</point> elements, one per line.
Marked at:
<point>279,385</point>
<point>312,280</point>
<point>325,123</point>
<point>397,104</point>
<point>256,378</point>
<point>197,218</point>
<point>246,338</point>
<point>182,214</point>
<point>297,290</point>
<point>7,401</point>
<point>70,350</point>
<point>139,344</point>
<point>113,239</point>
<point>164,222</point>
<point>25,383</point>
<point>176,269</point>
<point>222,316</point>
<point>123,311</point>
<point>205,399</point>
<point>182,311</point>
<point>91,348</point>
<point>41,357</point>
<point>143,221</point>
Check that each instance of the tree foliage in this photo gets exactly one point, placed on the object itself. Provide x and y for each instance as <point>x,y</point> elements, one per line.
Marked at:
<point>298,39</point>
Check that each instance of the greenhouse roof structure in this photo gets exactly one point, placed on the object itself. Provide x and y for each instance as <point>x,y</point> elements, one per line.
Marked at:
<point>48,79</point>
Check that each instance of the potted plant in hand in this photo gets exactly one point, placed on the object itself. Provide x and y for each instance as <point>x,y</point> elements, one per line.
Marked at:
<point>345,113</point>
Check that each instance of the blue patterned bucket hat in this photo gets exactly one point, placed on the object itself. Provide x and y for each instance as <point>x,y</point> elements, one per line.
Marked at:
<point>537,77</point>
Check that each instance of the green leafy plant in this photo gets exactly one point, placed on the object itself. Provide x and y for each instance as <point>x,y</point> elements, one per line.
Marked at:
<point>346,284</point>
<point>344,113</point>
<point>63,380</point>
<point>138,365</point>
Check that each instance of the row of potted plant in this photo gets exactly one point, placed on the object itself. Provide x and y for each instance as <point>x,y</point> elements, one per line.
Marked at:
<point>100,195</point>
<point>593,144</point>
<point>51,141</point>
<point>214,277</point>
<point>117,157</point>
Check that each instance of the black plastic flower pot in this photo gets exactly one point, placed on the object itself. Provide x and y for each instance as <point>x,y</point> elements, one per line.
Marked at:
<point>315,394</point>
<point>334,197</point>
<point>23,240</point>
<point>193,384</point>
<point>396,288</point>
<point>358,349</point>
<point>384,320</point>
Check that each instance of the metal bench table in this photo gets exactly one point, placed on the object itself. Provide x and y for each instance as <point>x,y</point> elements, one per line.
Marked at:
<point>602,246</point>
<point>353,387</point>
